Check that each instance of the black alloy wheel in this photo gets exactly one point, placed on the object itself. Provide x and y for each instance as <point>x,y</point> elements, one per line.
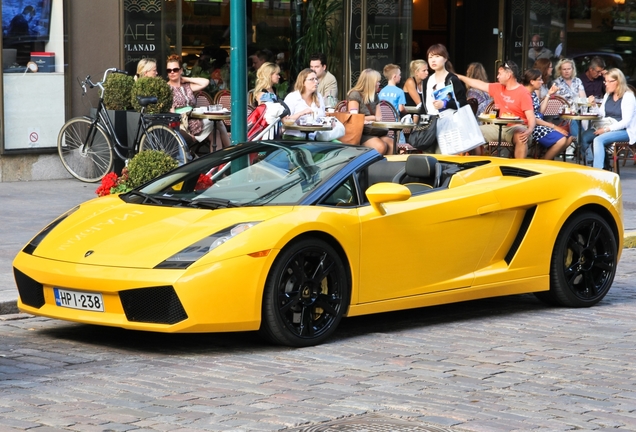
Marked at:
<point>583,261</point>
<point>306,294</point>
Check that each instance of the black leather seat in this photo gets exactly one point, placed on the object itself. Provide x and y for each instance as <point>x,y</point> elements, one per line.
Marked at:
<point>422,172</point>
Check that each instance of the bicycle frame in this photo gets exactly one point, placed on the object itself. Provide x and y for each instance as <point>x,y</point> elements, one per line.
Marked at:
<point>101,116</point>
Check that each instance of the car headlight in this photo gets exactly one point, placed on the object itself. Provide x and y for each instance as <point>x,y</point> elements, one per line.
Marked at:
<point>192,253</point>
<point>35,242</point>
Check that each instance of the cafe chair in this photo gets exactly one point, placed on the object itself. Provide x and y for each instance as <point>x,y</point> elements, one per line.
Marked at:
<point>390,114</point>
<point>341,106</point>
<point>203,99</point>
<point>224,99</point>
<point>474,104</point>
<point>621,150</point>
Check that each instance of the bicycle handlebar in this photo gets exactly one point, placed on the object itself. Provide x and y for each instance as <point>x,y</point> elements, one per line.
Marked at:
<point>99,84</point>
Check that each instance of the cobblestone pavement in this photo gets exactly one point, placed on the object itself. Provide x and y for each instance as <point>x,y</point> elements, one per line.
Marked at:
<point>506,364</point>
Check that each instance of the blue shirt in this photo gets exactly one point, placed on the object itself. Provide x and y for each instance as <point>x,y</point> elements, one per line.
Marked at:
<point>394,95</point>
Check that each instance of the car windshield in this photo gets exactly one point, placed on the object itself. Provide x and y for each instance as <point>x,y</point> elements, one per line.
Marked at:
<point>250,174</point>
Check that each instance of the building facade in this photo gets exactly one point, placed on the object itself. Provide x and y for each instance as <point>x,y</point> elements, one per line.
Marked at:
<point>48,44</point>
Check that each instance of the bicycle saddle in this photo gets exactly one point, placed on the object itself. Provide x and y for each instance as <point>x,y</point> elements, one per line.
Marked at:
<point>144,101</point>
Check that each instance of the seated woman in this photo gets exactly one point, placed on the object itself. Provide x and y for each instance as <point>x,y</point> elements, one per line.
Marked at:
<point>146,67</point>
<point>619,104</point>
<point>304,101</point>
<point>570,87</point>
<point>266,77</point>
<point>363,98</point>
<point>549,135</point>
<point>183,89</point>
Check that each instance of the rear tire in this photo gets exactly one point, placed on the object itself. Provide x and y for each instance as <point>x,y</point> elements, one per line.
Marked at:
<point>583,262</point>
<point>88,163</point>
<point>306,294</point>
<point>160,137</point>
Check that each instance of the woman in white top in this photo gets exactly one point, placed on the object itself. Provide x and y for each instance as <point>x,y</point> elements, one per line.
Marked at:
<point>619,104</point>
<point>304,101</point>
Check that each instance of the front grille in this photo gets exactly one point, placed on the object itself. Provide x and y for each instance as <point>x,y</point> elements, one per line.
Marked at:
<point>31,291</point>
<point>158,305</point>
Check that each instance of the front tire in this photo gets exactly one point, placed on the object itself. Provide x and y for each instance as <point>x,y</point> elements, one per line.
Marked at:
<point>160,137</point>
<point>88,163</point>
<point>306,294</point>
<point>583,262</point>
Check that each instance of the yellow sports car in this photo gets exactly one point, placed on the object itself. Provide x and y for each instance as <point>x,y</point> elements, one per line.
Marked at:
<point>290,237</point>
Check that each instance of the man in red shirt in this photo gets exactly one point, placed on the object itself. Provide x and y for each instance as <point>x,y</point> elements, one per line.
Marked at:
<point>512,99</point>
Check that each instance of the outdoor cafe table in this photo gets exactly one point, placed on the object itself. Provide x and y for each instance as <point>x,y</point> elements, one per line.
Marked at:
<point>396,127</point>
<point>307,129</point>
<point>411,109</point>
<point>501,122</point>
<point>214,117</point>
<point>577,118</point>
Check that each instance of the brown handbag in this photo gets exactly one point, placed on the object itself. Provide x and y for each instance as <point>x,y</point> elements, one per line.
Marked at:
<point>353,123</point>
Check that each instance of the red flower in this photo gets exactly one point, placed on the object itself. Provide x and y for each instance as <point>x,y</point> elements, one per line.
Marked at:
<point>109,181</point>
<point>203,182</point>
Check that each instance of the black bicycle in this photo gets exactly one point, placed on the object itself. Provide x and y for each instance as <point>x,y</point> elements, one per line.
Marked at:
<point>86,144</point>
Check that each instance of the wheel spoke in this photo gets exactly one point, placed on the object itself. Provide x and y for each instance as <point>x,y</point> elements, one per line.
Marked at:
<point>287,300</point>
<point>328,303</point>
<point>589,289</point>
<point>306,327</point>
<point>604,262</point>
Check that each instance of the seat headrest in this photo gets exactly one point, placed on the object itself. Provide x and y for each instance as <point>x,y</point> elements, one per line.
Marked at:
<point>420,166</point>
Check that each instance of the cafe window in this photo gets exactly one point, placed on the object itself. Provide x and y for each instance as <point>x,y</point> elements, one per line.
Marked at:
<point>33,98</point>
<point>576,29</point>
<point>199,31</point>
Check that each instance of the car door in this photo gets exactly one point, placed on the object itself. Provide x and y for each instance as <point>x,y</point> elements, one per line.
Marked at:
<point>431,242</point>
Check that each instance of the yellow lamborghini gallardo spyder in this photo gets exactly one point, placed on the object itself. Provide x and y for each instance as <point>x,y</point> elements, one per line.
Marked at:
<point>290,237</point>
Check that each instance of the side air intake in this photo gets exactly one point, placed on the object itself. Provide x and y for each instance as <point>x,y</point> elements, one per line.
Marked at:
<point>517,172</point>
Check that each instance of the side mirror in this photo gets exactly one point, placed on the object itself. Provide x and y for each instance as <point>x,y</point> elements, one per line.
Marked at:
<point>381,193</point>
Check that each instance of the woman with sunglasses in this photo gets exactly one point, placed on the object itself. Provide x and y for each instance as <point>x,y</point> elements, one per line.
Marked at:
<point>304,101</point>
<point>183,89</point>
<point>619,105</point>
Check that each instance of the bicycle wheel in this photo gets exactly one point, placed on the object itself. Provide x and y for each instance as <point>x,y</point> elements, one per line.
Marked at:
<point>160,137</point>
<point>88,163</point>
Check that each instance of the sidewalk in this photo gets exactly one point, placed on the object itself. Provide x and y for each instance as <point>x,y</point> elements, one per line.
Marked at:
<point>30,206</point>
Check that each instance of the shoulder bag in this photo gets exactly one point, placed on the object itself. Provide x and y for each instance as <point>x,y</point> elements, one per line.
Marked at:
<point>353,124</point>
<point>424,135</point>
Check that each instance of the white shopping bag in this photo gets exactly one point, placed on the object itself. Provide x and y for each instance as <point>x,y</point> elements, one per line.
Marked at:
<point>458,131</point>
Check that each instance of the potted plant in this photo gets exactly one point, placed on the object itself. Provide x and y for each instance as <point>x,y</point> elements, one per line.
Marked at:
<point>117,90</point>
<point>152,86</point>
<point>316,25</point>
<point>143,167</point>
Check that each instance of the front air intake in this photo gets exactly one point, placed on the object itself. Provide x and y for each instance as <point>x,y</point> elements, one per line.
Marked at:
<point>31,292</point>
<point>159,305</point>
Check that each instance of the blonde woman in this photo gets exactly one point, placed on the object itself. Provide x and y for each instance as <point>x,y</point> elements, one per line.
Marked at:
<point>413,85</point>
<point>363,99</point>
<point>146,67</point>
<point>267,76</point>
<point>304,100</point>
<point>569,87</point>
<point>619,104</point>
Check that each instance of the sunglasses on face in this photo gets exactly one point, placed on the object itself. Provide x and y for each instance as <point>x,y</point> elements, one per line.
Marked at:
<point>174,70</point>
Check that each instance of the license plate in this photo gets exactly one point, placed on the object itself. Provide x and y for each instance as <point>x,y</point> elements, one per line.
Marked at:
<point>79,300</point>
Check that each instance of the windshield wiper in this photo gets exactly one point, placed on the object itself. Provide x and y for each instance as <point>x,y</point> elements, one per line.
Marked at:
<point>146,198</point>
<point>213,203</point>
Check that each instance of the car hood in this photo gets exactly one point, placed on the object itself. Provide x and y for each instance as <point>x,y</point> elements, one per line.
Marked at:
<point>109,232</point>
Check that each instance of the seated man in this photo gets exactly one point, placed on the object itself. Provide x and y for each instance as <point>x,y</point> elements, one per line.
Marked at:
<point>593,78</point>
<point>510,97</point>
